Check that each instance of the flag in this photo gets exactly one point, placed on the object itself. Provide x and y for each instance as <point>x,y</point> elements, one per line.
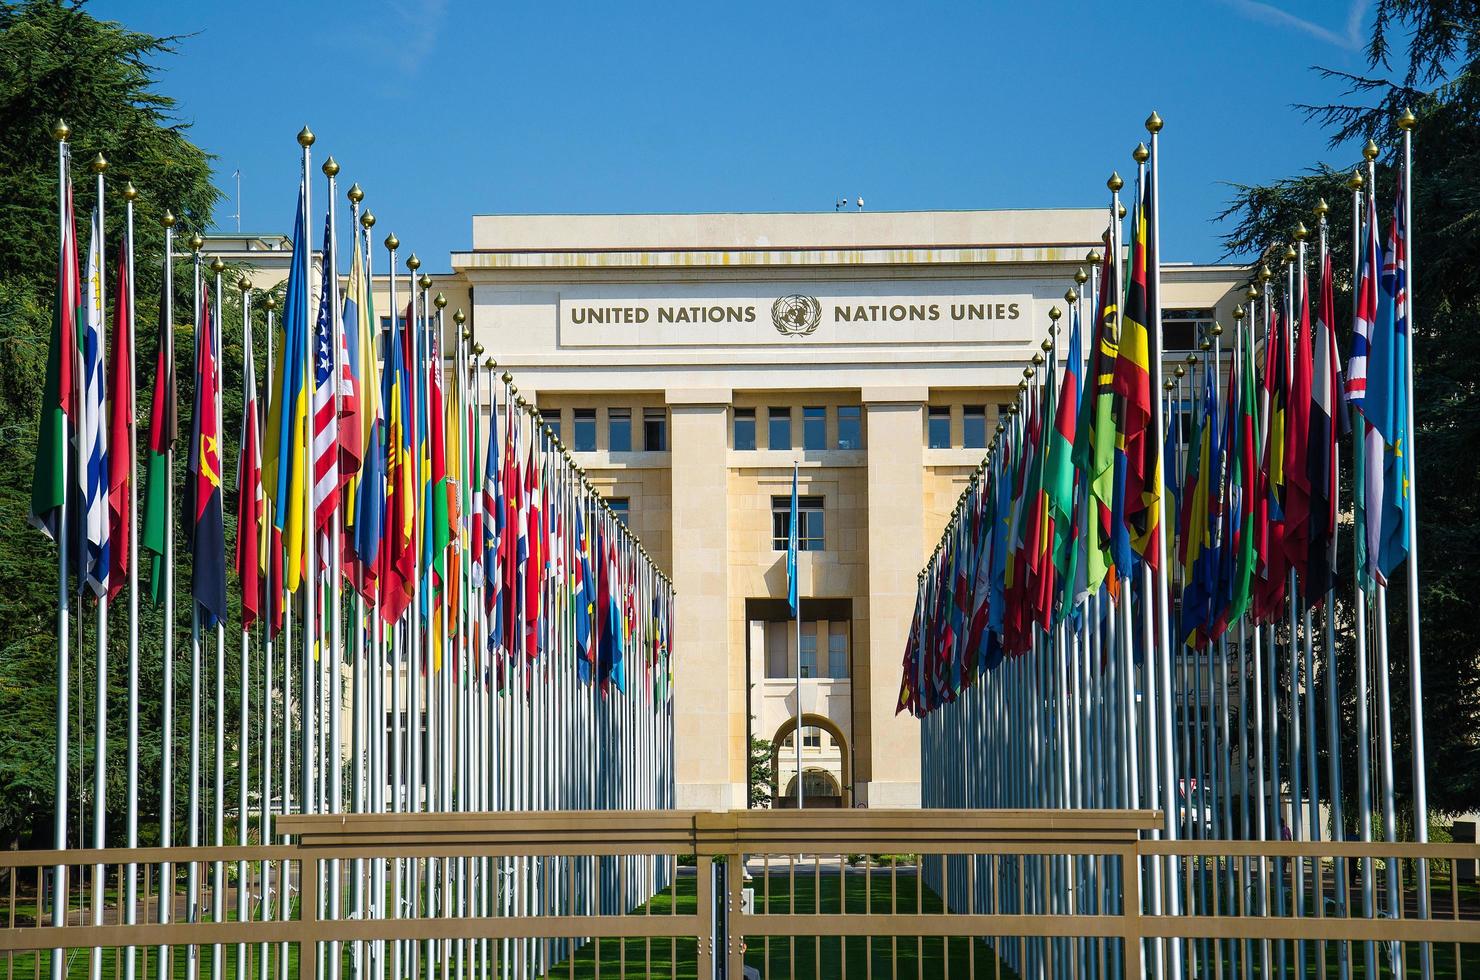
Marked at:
<point>396,574</point>
<point>93,559</point>
<point>1297,439</point>
<point>285,445</point>
<point>251,541</point>
<point>493,534</point>
<point>1060,477</point>
<point>1094,438</point>
<point>1386,405</point>
<point>364,498</point>
<point>1269,594</point>
<point>207,535</point>
<point>791,548</point>
<point>121,436</point>
<point>584,599</point>
<point>531,553</point>
<point>1364,310</point>
<point>1321,459</point>
<point>164,431</point>
<point>1132,384</point>
<point>325,403</point>
<point>56,427</point>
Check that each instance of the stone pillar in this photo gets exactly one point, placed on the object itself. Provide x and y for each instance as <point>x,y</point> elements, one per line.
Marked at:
<point>888,745</point>
<point>708,684</point>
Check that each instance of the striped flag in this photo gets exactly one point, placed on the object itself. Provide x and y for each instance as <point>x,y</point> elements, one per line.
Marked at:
<point>93,543</point>
<point>285,442</point>
<point>251,541</point>
<point>364,503</point>
<point>326,373</point>
<point>164,432</point>
<point>1132,381</point>
<point>121,436</point>
<point>1322,458</point>
<point>397,569</point>
<point>57,426</point>
<point>207,536</point>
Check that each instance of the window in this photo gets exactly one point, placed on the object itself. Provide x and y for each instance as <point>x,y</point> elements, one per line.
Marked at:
<point>837,650</point>
<point>809,649</point>
<point>655,430</point>
<point>812,738</point>
<point>850,427</point>
<point>622,507</point>
<point>974,427</point>
<point>814,428</point>
<point>778,657</point>
<point>745,428</point>
<point>585,430</point>
<point>779,429</point>
<point>940,427</point>
<point>809,532</point>
<point>1183,330</point>
<point>619,430</point>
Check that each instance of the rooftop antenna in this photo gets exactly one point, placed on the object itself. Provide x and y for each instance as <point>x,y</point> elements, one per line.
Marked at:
<point>840,204</point>
<point>860,204</point>
<point>238,216</point>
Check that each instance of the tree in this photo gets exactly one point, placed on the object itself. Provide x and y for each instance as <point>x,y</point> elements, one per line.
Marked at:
<point>56,60</point>
<point>761,774</point>
<point>1441,83</point>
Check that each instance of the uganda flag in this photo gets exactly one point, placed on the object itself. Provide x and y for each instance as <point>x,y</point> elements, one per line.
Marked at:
<point>1132,383</point>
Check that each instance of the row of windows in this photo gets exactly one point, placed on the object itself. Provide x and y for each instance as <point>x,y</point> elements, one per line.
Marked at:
<point>973,427</point>
<point>618,429</point>
<point>810,535</point>
<point>780,653</point>
<point>814,428</point>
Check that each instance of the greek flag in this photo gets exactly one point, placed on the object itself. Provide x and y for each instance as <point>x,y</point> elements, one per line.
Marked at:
<point>93,557</point>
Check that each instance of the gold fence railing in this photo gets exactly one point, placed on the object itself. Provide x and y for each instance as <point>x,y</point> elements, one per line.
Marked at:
<point>824,893</point>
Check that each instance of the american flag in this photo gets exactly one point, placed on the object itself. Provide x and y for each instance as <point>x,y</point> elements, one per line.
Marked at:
<point>325,404</point>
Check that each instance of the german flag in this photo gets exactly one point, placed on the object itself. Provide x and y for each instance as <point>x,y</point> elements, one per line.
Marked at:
<point>1132,383</point>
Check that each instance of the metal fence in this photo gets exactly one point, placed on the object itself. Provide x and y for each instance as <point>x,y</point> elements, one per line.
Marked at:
<point>827,893</point>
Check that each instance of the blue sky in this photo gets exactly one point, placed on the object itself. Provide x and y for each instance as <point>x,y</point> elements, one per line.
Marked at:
<point>442,109</point>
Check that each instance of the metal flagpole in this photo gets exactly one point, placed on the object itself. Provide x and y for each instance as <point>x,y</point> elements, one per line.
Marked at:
<point>358,692</point>
<point>167,676</point>
<point>192,806</point>
<point>795,546</point>
<point>332,659</point>
<point>1406,122</point>
<point>97,303</point>
<point>130,899</point>
<point>244,684</point>
<point>271,598</point>
<point>1359,602</point>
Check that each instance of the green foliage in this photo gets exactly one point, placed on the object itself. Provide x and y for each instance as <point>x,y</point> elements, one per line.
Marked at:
<point>1444,55</point>
<point>761,774</point>
<point>56,60</point>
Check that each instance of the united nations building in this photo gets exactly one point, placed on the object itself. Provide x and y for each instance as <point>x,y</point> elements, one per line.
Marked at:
<point>689,361</point>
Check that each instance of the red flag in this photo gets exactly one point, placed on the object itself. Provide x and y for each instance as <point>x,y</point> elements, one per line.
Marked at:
<point>120,435</point>
<point>1297,447</point>
<point>250,498</point>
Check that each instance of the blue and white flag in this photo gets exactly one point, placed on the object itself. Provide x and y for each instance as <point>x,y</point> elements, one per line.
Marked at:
<point>791,547</point>
<point>92,429</point>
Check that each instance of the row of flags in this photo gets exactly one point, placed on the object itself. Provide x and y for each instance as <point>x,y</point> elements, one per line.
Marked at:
<point>1069,502</point>
<point>428,487</point>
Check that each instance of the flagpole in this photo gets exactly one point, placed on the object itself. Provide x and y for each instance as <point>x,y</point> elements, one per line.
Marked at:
<point>244,684</point>
<point>65,296</point>
<point>192,805</point>
<point>167,677</point>
<point>333,656</point>
<point>1406,122</point>
<point>98,304</point>
<point>308,703</point>
<point>1359,603</point>
<point>130,916</point>
<point>358,691</point>
<point>218,712</point>
<point>271,598</point>
<point>796,518</point>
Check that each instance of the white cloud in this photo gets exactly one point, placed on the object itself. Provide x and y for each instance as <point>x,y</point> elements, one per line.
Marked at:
<point>1349,38</point>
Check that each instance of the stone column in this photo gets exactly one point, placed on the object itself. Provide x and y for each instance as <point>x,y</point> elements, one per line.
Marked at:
<point>888,745</point>
<point>709,684</point>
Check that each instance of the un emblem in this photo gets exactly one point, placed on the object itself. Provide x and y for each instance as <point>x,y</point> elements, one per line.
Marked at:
<point>796,315</point>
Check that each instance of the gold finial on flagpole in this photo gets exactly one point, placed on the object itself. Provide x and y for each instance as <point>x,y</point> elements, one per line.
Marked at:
<point>1301,233</point>
<point>60,130</point>
<point>355,194</point>
<point>1355,181</point>
<point>270,302</point>
<point>1114,183</point>
<point>1070,296</point>
<point>129,193</point>
<point>1140,154</point>
<point>306,137</point>
<point>489,365</point>
<point>1370,151</point>
<point>508,378</point>
<point>1321,208</point>
<point>425,282</point>
<point>1094,257</point>
<point>1290,253</point>
<point>1239,313</point>
<point>1169,384</point>
<point>168,218</point>
<point>330,167</point>
<point>1081,277</point>
<point>412,262</point>
<point>1407,120</point>
<point>217,266</point>
<point>1217,330</point>
<point>1054,313</point>
<point>440,301</point>
<point>99,164</point>
<point>244,284</point>
<point>477,350</point>
<point>392,242</point>
<point>1264,274</point>
<point>1251,294</point>
<point>1180,372</point>
<point>367,220</point>
<point>196,242</point>
<point>459,317</point>
<point>1121,212</point>
<point>1153,122</point>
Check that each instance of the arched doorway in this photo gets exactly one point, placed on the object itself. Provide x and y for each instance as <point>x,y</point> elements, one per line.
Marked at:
<point>810,720</point>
